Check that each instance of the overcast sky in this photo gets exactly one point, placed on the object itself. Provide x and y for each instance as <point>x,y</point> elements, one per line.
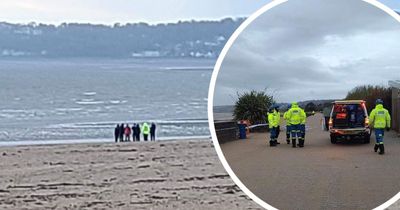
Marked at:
<point>112,11</point>
<point>312,49</point>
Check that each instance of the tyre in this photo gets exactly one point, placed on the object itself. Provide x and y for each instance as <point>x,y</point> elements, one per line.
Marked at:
<point>333,139</point>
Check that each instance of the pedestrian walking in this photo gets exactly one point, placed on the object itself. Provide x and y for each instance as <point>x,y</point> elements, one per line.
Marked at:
<point>121,132</point>
<point>153,131</point>
<point>116,133</point>
<point>127,133</point>
<point>273,123</point>
<point>145,131</point>
<point>295,116</point>
<point>137,128</point>
<point>379,119</point>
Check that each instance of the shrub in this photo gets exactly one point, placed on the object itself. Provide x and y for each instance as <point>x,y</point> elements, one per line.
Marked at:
<point>253,106</point>
<point>370,93</point>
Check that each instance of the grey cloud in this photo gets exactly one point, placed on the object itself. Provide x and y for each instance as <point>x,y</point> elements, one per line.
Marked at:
<point>312,49</point>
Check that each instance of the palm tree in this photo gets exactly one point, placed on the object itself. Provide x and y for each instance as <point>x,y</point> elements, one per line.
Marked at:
<point>253,106</point>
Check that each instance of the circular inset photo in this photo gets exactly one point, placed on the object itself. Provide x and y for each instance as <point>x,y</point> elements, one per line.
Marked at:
<point>304,105</point>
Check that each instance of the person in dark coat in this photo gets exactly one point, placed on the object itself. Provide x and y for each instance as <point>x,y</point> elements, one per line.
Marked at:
<point>137,132</point>
<point>134,132</point>
<point>153,132</point>
<point>116,133</point>
<point>121,132</point>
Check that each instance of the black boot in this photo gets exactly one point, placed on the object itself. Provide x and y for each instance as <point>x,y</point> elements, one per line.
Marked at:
<point>287,141</point>
<point>301,143</point>
<point>271,143</point>
<point>293,143</point>
<point>382,149</point>
<point>376,147</point>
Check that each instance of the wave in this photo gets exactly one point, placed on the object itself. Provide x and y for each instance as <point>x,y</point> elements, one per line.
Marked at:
<point>188,68</point>
<point>117,102</point>
<point>111,124</point>
<point>88,102</point>
<point>89,93</point>
<point>68,109</point>
<point>91,141</point>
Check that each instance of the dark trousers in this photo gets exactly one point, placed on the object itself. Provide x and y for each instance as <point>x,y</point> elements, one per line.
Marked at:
<point>379,133</point>
<point>145,136</point>
<point>295,131</point>
<point>138,137</point>
<point>303,131</point>
<point>274,133</point>
<point>288,131</point>
<point>116,138</point>
<point>278,131</point>
<point>153,136</point>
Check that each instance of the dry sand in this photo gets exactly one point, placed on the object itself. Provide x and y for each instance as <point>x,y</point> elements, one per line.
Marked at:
<point>149,175</point>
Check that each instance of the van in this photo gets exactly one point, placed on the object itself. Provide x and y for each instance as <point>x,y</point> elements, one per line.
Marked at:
<point>349,120</point>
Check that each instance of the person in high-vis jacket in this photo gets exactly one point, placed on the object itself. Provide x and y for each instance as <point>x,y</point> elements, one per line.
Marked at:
<point>145,130</point>
<point>288,128</point>
<point>379,118</point>
<point>295,117</point>
<point>273,123</point>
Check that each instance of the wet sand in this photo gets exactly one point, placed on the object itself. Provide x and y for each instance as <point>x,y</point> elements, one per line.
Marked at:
<point>149,175</point>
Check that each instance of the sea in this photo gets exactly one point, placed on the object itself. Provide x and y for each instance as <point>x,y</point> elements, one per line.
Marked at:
<point>82,100</point>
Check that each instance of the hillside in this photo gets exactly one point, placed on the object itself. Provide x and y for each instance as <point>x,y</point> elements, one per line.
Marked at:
<point>200,39</point>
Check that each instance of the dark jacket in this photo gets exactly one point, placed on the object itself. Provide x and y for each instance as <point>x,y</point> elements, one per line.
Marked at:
<point>116,131</point>
<point>153,128</point>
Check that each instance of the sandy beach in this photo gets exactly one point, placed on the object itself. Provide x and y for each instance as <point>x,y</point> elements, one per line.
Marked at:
<point>144,175</point>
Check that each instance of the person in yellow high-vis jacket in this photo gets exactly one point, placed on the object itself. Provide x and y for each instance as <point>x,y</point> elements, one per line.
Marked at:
<point>273,123</point>
<point>379,119</point>
<point>296,116</point>
<point>145,130</point>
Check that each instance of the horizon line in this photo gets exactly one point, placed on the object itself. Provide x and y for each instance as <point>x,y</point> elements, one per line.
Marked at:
<point>155,23</point>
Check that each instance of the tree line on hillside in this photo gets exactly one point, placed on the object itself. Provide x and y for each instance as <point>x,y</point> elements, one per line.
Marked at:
<point>182,39</point>
<point>370,93</point>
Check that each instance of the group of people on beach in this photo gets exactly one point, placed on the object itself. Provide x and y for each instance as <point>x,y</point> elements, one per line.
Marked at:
<point>122,133</point>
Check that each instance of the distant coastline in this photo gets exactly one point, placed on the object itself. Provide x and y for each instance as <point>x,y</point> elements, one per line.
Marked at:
<point>185,39</point>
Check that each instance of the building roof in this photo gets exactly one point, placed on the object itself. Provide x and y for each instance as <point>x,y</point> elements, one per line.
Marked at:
<point>394,83</point>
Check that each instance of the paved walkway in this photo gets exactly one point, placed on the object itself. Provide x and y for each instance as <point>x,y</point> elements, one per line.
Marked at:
<point>320,175</point>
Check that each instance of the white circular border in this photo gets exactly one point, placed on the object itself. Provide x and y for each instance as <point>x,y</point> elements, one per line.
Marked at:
<point>212,88</point>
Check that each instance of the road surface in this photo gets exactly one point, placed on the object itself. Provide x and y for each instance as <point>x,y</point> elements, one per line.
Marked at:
<point>320,175</point>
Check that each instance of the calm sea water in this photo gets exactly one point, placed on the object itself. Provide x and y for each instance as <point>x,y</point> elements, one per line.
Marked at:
<point>84,99</point>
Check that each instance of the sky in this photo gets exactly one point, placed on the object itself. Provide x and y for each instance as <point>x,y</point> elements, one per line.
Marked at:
<point>123,11</point>
<point>319,52</point>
